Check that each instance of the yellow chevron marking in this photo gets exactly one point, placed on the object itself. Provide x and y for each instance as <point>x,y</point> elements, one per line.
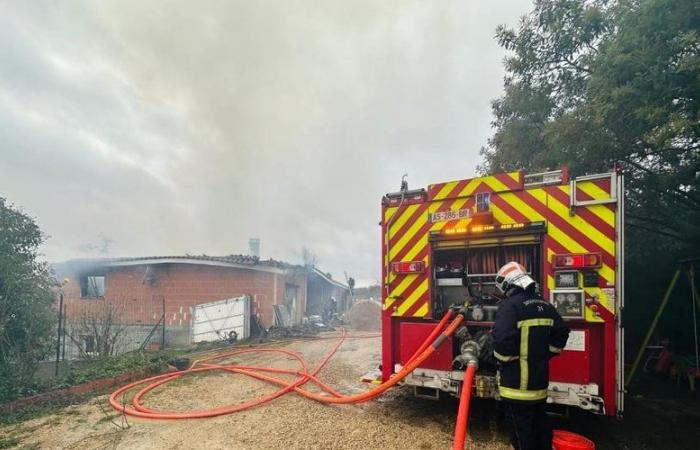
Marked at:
<point>500,215</point>
<point>401,287</point>
<point>388,213</point>
<point>522,207</point>
<point>412,298</point>
<point>574,247</point>
<point>496,184</point>
<point>605,214</point>
<point>446,189</point>
<point>593,190</point>
<point>422,311</point>
<point>550,282</point>
<point>576,221</point>
<point>408,235</point>
<point>417,248</point>
<point>403,218</point>
<point>470,187</point>
<point>565,241</point>
<point>515,176</point>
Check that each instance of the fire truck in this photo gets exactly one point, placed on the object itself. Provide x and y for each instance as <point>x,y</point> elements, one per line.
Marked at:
<point>443,245</point>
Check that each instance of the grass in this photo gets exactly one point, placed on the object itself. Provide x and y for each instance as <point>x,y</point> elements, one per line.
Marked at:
<point>8,442</point>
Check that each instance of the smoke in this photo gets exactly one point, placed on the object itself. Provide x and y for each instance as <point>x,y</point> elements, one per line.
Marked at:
<point>185,127</point>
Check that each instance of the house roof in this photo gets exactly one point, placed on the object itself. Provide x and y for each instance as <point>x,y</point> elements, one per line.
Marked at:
<point>317,272</point>
<point>236,261</point>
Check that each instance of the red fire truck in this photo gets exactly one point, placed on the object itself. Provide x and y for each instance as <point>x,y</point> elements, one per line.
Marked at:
<point>442,246</point>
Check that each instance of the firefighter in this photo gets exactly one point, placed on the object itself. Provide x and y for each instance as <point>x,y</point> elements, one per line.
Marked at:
<point>527,333</point>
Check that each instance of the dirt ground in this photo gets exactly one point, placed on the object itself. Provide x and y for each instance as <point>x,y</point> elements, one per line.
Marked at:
<point>396,420</point>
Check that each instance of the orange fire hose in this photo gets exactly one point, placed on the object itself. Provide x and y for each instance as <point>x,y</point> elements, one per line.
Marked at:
<point>463,411</point>
<point>137,409</point>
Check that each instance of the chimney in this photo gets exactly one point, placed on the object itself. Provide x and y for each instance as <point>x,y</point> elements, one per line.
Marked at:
<point>254,247</point>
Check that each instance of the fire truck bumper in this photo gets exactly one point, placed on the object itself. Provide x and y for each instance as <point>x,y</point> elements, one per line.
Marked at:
<point>428,383</point>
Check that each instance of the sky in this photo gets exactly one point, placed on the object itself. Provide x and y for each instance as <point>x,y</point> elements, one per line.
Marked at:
<point>137,128</point>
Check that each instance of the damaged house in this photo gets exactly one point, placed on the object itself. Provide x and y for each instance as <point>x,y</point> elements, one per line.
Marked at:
<point>121,304</point>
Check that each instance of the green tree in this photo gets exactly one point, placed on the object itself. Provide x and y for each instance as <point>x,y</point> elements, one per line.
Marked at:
<point>27,313</point>
<point>592,84</point>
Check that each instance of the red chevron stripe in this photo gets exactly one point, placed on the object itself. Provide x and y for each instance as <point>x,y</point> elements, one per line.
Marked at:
<point>407,292</point>
<point>509,182</point>
<point>409,223</point>
<point>411,243</point>
<point>417,305</point>
<point>509,209</point>
<point>565,227</point>
<point>584,213</point>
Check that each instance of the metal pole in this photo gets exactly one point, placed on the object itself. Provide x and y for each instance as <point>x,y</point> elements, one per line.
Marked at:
<point>162,337</point>
<point>63,347</point>
<point>691,275</point>
<point>58,336</point>
<point>640,353</point>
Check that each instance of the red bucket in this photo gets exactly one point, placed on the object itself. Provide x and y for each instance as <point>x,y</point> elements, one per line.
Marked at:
<point>566,440</point>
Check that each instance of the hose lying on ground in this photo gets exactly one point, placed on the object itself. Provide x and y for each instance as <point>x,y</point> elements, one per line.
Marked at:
<point>137,409</point>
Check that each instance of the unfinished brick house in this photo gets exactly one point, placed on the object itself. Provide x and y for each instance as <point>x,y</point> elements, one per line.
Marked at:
<point>133,294</point>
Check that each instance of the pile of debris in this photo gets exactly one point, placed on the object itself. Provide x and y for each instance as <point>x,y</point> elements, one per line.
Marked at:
<point>297,331</point>
<point>365,315</point>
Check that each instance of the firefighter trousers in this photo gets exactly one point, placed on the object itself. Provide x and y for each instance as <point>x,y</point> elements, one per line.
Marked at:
<point>530,427</point>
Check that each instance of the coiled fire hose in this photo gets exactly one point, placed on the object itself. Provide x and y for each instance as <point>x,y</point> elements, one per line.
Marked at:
<point>436,338</point>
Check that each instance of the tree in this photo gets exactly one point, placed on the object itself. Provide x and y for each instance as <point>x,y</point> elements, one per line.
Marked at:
<point>592,84</point>
<point>97,329</point>
<point>27,314</point>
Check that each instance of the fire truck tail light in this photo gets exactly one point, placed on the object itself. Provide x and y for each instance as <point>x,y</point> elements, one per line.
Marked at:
<point>578,261</point>
<point>408,267</point>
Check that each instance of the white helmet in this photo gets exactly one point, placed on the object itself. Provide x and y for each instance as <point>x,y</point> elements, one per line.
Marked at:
<point>511,275</point>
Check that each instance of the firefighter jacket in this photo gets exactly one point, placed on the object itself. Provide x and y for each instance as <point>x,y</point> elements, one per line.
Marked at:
<point>527,333</point>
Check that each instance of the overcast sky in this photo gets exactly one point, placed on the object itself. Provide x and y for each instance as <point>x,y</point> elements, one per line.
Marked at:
<point>189,127</point>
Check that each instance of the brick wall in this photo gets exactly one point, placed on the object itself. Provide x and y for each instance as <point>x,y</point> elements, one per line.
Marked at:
<point>138,293</point>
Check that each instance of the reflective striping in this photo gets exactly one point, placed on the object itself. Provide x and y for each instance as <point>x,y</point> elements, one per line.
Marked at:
<point>522,394</point>
<point>446,189</point>
<point>605,214</point>
<point>412,298</point>
<point>593,190</point>
<point>395,249</point>
<point>554,349</point>
<point>403,218</point>
<point>496,184</point>
<point>398,290</point>
<point>422,311</point>
<point>470,187</point>
<point>388,214</point>
<point>500,215</point>
<point>527,323</point>
<point>576,222</point>
<point>591,229</point>
<point>524,345</point>
<point>504,358</point>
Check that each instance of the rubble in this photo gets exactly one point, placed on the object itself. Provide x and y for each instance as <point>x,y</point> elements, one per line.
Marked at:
<point>365,315</point>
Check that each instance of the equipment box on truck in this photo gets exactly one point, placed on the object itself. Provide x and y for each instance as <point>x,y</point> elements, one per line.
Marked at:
<point>442,246</point>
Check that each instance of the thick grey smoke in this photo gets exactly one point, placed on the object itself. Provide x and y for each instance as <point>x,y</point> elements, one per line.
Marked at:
<point>188,127</point>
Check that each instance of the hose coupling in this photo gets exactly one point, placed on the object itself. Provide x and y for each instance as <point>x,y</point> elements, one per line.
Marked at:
<point>469,356</point>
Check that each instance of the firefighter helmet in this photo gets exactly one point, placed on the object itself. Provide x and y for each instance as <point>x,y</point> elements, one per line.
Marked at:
<point>511,275</point>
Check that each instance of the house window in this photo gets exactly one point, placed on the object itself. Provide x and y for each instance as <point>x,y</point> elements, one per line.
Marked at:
<point>483,200</point>
<point>92,286</point>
